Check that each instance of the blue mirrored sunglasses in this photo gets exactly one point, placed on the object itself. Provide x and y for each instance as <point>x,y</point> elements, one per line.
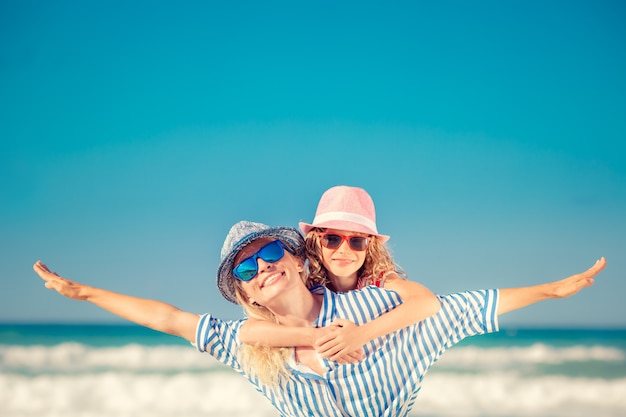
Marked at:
<point>249,267</point>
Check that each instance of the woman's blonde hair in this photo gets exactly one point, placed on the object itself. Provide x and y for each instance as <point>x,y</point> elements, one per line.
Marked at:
<point>265,362</point>
<point>378,261</point>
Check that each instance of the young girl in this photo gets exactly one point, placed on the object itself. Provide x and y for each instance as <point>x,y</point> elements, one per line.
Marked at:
<point>346,252</point>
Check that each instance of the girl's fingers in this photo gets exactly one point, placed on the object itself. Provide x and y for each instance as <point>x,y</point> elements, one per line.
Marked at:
<point>331,351</point>
<point>348,357</point>
<point>324,340</point>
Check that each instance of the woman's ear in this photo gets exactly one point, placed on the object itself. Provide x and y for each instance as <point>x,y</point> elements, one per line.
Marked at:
<point>248,298</point>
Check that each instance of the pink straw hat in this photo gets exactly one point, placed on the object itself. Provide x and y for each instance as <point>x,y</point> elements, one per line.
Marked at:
<point>345,208</point>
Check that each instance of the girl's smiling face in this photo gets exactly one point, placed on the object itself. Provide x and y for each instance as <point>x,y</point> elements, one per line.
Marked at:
<point>343,263</point>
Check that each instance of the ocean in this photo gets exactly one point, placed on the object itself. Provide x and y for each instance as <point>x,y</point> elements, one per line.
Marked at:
<point>51,370</point>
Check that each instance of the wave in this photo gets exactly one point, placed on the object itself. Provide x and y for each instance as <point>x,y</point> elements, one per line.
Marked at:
<point>76,357</point>
<point>76,380</point>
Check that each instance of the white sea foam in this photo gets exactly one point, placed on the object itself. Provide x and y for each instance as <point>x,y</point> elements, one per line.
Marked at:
<point>73,357</point>
<point>125,394</point>
<point>227,394</point>
<point>509,394</point>
<point>537,353</point>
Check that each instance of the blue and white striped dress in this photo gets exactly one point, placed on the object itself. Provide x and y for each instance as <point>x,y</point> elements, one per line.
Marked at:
<point>387,381</point>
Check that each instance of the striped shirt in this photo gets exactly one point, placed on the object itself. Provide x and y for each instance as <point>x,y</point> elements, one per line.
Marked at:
<point>387,381</point>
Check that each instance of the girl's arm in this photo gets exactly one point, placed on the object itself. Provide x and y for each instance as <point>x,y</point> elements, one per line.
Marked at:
<point>515,298</point>
<point>418,303</point>
<point>263,332</point>
<point>149,313</point>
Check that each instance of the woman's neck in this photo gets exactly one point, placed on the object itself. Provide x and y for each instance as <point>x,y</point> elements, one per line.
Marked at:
<point>299,311</point>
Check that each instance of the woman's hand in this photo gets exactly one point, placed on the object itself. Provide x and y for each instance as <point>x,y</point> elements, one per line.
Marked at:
<point>573,284</point>
<point>63,286</point>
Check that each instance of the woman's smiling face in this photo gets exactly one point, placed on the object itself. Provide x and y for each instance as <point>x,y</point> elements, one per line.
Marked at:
<point>272,277</point>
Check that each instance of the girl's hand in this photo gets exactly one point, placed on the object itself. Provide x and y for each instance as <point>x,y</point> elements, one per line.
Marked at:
<point>342,342</point>
<point>63,286</point>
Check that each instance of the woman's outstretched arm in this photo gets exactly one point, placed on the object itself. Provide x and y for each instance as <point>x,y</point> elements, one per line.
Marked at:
<point>149,313</point>
<point>515,298</point>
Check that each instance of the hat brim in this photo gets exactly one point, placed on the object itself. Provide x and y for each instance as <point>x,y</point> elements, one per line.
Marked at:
<point>225,278</point>
<point>342,225</point>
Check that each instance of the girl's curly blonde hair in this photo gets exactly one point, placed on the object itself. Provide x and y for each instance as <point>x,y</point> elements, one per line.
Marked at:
<point>378,261</point>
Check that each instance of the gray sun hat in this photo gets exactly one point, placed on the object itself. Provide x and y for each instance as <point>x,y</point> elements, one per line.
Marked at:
<point>240,235</point>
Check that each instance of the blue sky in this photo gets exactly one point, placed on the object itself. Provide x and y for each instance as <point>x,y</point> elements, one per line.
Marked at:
<point>491,136</point>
